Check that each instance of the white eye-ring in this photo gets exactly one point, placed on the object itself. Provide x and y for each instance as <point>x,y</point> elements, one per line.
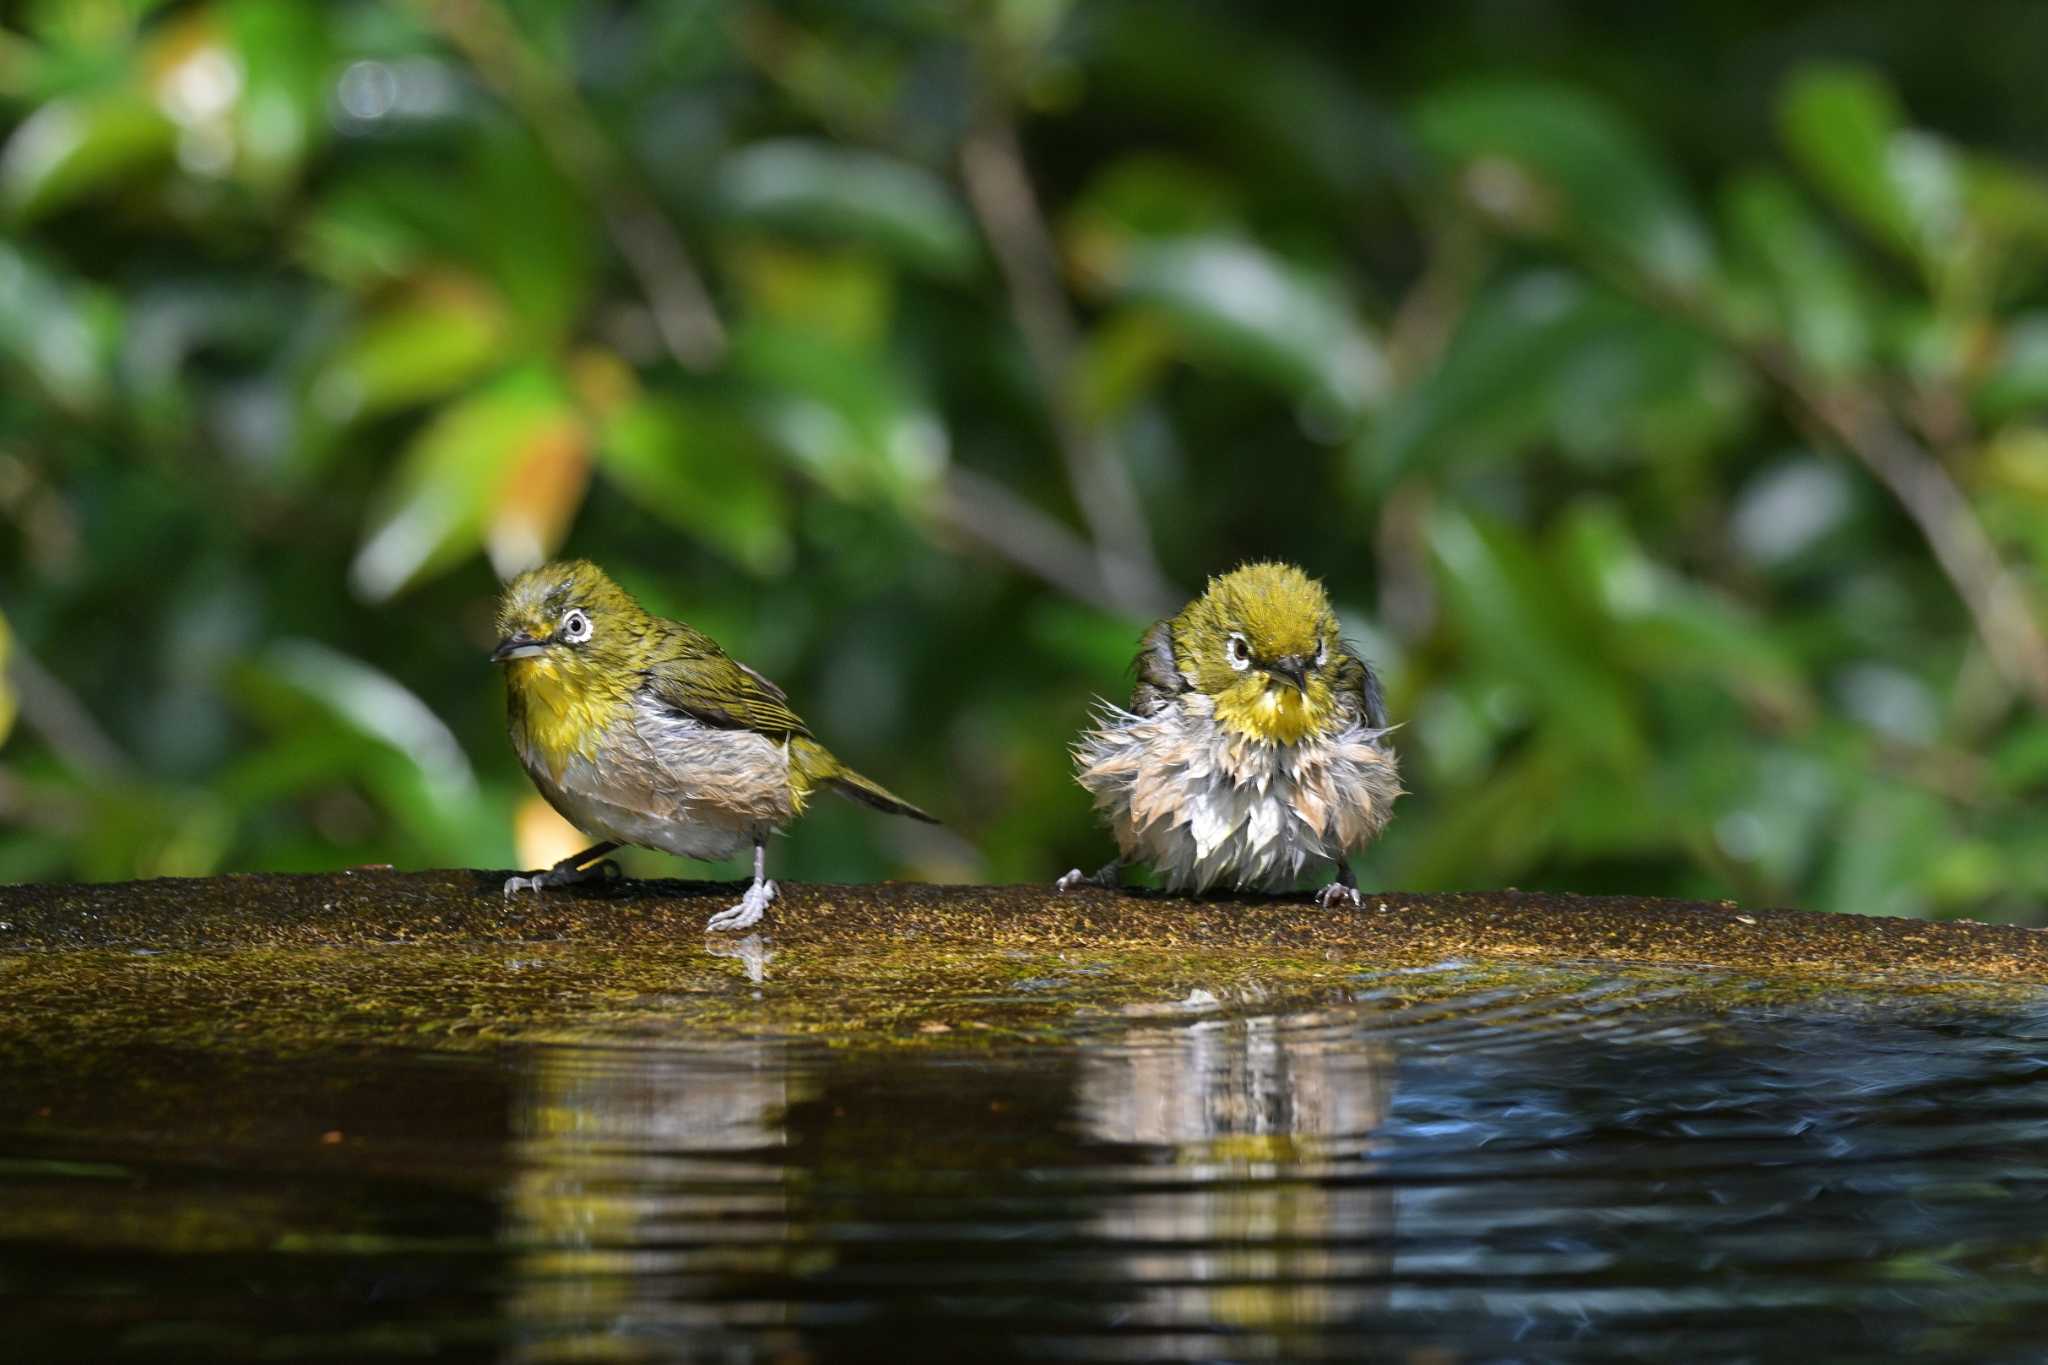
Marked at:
<point>1238,652</point>
<point>575,627</point>
<point>1322,653</point>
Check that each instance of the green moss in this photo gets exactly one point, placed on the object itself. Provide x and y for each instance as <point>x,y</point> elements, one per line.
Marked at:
<point>441,960</point>
<point>462,997</point>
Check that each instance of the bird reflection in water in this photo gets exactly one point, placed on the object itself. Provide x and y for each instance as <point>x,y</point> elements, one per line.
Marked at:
<point>1251,1215</point>
<point>648,1173</point>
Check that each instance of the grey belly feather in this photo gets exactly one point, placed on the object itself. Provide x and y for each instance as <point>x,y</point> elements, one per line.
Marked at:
<point>1205,807</point>
<point>670,782</point>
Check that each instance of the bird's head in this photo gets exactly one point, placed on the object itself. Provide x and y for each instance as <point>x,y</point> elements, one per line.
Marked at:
<point>1261,641</point>
<point>568,621</point>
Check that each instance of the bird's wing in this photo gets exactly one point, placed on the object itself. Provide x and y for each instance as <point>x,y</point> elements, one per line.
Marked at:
<point>1357,682</point>
<point>701,680</point>
<point>1159,677</point>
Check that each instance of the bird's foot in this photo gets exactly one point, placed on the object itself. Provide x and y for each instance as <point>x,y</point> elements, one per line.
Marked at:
<point>1105,877</point>
<point>1339,892</point>
<point>748,912</point>
<point>562,874</point>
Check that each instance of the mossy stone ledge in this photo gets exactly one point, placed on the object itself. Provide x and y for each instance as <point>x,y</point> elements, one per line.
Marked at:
<point>378,906</point>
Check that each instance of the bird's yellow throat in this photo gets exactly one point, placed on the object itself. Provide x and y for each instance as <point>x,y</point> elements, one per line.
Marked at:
<point>1275,714</point>
<point>562,711</point>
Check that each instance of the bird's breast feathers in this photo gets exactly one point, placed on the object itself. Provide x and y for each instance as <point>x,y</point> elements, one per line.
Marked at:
<point>655,777</point>
<point>1208,805</point>
<point>557,716</point>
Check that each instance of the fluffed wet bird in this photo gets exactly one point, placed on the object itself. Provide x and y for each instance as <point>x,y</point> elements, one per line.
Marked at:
<point>641,730</point>
<point>1254,748</point>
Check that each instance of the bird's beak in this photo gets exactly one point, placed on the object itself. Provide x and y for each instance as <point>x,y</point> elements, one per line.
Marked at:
<point>1294,668</point>
<point>520,646</point>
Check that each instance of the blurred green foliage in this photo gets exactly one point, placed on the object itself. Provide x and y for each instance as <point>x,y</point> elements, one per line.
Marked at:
<point>1659,391</point>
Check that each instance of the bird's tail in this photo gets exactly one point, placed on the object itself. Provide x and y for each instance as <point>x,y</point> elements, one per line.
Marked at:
<point>825,770</point>
<point>851,784</point>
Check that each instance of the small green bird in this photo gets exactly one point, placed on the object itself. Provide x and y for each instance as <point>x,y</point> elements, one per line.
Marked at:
<point>641,730</point>
<point>1253,748</point>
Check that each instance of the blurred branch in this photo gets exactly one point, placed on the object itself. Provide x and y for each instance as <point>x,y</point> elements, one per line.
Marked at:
<point>999,189</point>
<point>652,249</point>
<point>53,711</point>
<point>1914,474</point>
<point>988,514</point>
<point>1998,604</point>
<point>1430,311</point>
<point>37,806</point>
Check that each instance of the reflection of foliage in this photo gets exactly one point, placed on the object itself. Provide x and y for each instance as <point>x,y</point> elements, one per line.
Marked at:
<point>903,347</point>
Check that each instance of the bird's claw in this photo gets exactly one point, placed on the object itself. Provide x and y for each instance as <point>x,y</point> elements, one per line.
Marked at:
<point>607,870</point>
<point>1105,877</point>
<point>748,912</point>
<point>1337,892</point>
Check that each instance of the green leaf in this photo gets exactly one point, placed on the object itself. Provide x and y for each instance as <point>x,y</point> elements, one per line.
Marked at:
<point>1546,355</point>
<point>337,722</point>
<point>2019,764</point>
<point>453,476</point>
<point>505,212</point>
<point>2007,203</point>
<point>702,467</point>
<point>1503,828</point>
<point>1845,127</point>
<point>1894,836</point>
<point>2011,496</point>
<point>1152,196</point>
<point>1302,125</point>
<point>1549,158</point>
<point>437,335</point>
<point>527,225</point>
<point>1825,306</point>
<point>2017,380</point>
<point>1239,305</point>
<point>1516,615</point>
<point>1120,361</point>
<point>62,332</point>
<point>77,146</point>
<point>376,706</point>
<point>1663,626</point>
<point>846,293</point>
<point>285,57</point>
<point>843,414</point>
<point>817,190</point>
<point>377,226</point>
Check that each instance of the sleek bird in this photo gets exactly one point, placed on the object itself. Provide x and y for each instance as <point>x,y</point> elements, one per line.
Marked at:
<point>641,730</point>
<point>1254,746</point>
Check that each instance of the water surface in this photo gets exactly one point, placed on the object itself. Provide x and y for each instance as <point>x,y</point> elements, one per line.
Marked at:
<point>1063,1159</point>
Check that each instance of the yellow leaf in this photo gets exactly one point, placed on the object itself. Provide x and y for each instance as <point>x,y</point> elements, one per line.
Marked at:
<point>543,488</point>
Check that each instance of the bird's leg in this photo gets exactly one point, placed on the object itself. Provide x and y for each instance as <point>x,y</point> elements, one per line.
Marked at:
<point>1107,876</point>
<point>577,867</point>
<point>755,903</point>
<point>1345,888</point>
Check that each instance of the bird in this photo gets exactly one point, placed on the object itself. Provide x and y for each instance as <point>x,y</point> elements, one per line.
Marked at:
<point>642,730</point>
<point>1254,746</point>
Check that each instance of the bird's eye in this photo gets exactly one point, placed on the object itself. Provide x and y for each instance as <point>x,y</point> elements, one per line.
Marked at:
<point>1240,653</point>
<point>575,627</point>
<point>1322,653</point>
